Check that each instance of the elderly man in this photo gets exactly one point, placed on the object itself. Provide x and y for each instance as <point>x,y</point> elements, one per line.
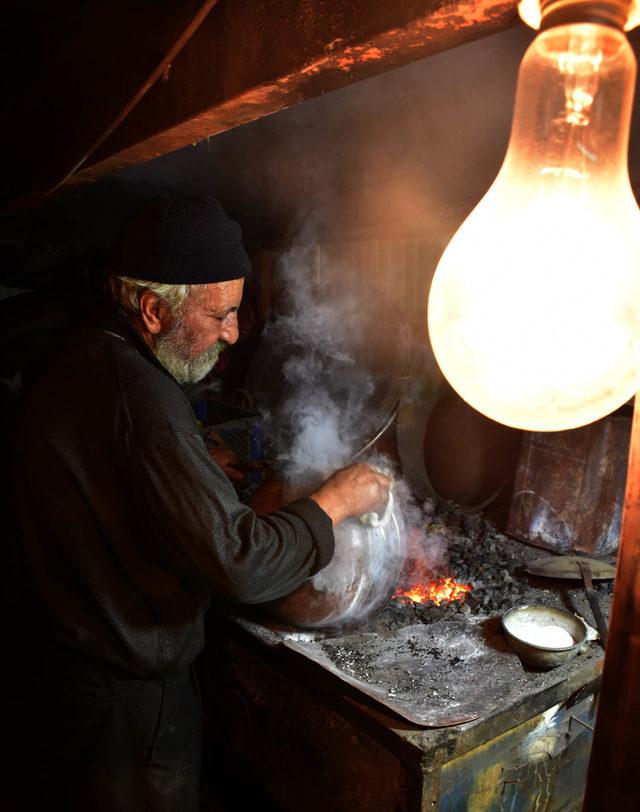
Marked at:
<point>130,527</point>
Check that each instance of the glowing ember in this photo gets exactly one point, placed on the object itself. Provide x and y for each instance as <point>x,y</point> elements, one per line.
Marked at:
<point>445,589</point>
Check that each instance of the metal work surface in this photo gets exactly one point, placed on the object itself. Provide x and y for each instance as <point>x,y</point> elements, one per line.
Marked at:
<point>535,691</point>
<point>434,676</point>
<point>449,664</point>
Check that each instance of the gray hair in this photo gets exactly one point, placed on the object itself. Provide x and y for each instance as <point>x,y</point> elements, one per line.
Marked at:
<point>127,291</point>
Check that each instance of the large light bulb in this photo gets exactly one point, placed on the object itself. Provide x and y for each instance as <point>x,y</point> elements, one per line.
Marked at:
<point>534,310</point>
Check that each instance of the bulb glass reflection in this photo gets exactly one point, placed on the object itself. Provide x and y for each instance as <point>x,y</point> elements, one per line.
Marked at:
<point>534,309</point>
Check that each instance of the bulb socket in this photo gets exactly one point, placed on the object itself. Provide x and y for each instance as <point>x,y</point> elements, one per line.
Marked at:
<point>613,13</point>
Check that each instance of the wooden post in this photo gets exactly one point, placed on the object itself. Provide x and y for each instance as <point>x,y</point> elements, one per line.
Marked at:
<point>614,778</point>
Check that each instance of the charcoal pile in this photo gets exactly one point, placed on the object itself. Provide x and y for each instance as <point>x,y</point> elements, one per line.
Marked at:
<point>492,564</point>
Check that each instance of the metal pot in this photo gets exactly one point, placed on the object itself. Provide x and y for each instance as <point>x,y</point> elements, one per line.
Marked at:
<point>357,582</point>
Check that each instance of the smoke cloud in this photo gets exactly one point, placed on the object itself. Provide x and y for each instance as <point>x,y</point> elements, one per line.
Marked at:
<point>318,414</point>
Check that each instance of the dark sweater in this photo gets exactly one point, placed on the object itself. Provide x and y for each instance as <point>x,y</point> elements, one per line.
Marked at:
<point>128,524</point>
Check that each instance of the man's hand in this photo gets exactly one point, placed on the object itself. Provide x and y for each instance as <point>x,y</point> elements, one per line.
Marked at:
<point>352,491</point>
<point>226,458</point>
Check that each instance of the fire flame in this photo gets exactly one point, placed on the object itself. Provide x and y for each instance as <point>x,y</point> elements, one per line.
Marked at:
<point>444,589</point>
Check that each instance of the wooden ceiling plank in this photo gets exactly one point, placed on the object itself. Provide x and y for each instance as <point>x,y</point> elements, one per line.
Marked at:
<point>250,59</point>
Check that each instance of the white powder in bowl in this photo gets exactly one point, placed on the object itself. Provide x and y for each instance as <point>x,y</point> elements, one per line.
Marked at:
<point>547,636</point>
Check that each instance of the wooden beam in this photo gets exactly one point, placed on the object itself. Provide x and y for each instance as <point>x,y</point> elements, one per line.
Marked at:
<point>613,769</point>
<point>253,58</point>
<point>247,59</point>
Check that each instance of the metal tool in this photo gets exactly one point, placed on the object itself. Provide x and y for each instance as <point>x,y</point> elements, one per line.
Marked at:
<point>585,569</point>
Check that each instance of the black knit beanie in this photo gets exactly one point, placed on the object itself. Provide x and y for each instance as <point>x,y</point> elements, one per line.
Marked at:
<point>180,241</point>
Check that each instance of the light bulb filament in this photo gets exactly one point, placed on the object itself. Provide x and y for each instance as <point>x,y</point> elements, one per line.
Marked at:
<point>575,64</point>
<point>578,106</point>
<point>581,70</point>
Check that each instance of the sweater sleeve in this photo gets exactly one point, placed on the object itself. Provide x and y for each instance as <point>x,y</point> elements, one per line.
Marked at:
<point>193,512</point>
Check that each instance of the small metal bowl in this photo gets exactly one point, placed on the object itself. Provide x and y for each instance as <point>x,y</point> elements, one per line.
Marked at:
<point>535,616</point>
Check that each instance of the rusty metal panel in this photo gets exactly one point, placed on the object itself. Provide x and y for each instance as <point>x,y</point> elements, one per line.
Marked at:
<point>105,86</point>
<point>540,765</point>
<point>569,487</point>
<point>71,72</point>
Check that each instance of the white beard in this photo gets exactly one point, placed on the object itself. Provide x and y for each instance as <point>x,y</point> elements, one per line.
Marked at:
<point>171,350</point>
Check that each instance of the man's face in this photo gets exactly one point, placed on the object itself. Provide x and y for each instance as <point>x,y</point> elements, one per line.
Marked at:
<point>206,323</point>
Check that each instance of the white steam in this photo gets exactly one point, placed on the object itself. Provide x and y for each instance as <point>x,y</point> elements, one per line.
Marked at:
<point>324,412</point>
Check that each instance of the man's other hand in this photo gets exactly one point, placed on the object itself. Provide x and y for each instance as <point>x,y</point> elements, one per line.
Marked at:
<point>226,458</point>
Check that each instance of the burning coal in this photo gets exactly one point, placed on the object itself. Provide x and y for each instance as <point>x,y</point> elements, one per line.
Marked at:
<point>443,589</point>
<point>426,575</point>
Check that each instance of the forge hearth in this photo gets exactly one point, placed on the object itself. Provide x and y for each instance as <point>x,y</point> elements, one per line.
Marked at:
<point>318,723</point>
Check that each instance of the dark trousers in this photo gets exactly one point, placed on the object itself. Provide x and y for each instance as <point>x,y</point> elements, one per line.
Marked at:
<point>122,745</point>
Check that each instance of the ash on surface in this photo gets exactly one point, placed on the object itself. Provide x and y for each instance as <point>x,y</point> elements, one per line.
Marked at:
<point>416,667</point>
<point>442,674</point>
<point>352,661</point>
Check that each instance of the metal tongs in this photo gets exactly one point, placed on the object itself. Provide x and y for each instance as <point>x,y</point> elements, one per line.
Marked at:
<point>601,623</point>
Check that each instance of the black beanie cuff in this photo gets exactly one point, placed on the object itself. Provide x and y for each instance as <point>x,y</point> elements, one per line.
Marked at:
<point>200,269</point>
